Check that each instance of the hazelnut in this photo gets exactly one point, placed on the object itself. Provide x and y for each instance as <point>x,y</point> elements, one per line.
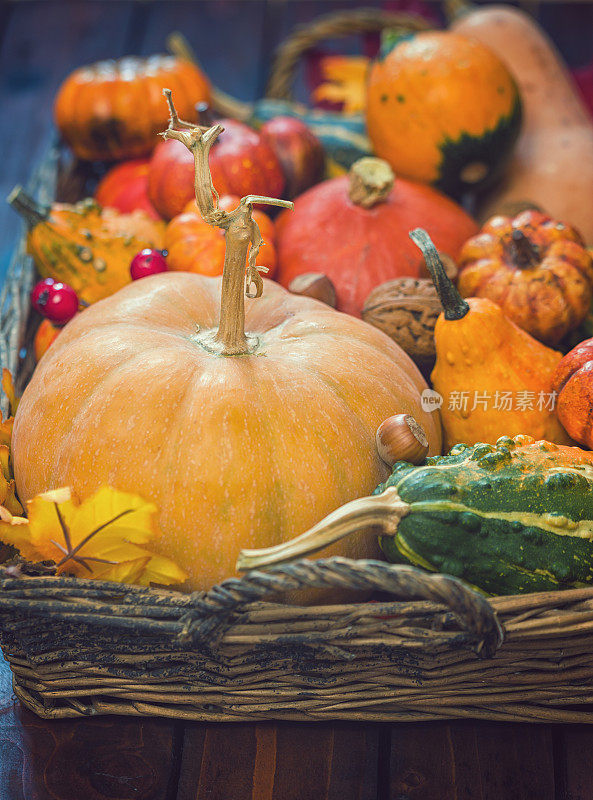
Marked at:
<point>401,438</point>
<point>316,285</point>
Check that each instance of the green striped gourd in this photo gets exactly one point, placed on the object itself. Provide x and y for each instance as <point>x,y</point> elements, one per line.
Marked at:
<point>509,518</point>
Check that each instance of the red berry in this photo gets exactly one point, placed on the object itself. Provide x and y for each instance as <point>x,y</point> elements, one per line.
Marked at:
<point>148,262</point>
<point>56,301</point>
<point>41,291</point>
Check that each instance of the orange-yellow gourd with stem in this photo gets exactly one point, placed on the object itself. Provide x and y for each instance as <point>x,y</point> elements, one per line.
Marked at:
<point>495,379</point>
<point>84,245</point>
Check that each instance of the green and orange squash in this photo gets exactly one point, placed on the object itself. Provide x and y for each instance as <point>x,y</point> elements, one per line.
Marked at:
<point>509,518</point>
<point>442,109</point>
<point>85,245</point>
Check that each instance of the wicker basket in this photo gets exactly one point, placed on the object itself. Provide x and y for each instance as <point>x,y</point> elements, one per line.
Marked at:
<point>440,651</point>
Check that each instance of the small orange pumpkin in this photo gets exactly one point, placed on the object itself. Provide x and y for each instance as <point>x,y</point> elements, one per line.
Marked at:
<point>114,109</point>
<point>193,245</point>
<point>537,269</point>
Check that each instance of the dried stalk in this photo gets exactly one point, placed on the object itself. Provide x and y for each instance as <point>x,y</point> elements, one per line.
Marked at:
<point>382,511</point>
<point>241,233</point>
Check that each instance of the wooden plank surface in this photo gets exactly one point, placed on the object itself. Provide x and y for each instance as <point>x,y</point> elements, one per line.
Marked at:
<point>472,761</point>
<point>271,761</point>
<point>88,759</point>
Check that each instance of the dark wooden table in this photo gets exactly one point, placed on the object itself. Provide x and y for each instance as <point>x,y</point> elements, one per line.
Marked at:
<point>123,759</point>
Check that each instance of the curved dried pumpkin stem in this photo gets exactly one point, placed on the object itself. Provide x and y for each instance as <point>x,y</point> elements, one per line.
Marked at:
<point>383,511</point>
<point>241,232</point>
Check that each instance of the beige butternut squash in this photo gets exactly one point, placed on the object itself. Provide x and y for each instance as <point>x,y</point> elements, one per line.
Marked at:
<point>553,160</point>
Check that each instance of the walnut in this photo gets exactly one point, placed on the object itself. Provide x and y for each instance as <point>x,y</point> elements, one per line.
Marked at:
<point>406,309</point>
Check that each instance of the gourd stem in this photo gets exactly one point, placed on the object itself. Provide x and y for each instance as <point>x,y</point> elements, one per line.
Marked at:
<point>27,207</point>
<point>382,511</point>
<point>453,303</point>
<point>229,106</point>
<point>241,234</point>
<point>370,182</point>
<point>523,252</point>
<point>222,102</point>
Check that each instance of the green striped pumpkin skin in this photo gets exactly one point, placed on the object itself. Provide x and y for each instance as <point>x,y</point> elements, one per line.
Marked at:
<point>508,519</point>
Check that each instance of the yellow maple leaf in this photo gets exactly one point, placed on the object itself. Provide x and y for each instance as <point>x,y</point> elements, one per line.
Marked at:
<point>344,82</point>
<point>101,537</point>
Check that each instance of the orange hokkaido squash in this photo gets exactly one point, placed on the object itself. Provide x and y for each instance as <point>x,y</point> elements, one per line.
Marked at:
<point>240,440</point>
<point>354,229</point>
<point>193,245</point>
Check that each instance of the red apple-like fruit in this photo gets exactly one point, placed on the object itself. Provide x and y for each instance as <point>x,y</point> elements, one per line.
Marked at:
<point>299,151</point>
<point>241,163</point>
<point>148,262</point>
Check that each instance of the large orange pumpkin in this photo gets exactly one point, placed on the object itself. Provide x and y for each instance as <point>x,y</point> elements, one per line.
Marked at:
<point>240,442</point>
<point>114,109</point>
<point>355,229</point>
<point>243,451</point>
<point>193,245</point>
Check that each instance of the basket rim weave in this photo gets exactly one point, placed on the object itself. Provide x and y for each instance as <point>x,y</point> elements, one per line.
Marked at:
<point>203,617</point>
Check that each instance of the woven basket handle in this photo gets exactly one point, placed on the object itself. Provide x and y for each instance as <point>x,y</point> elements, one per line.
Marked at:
<point>331,26</point>
<point>216,607</point>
